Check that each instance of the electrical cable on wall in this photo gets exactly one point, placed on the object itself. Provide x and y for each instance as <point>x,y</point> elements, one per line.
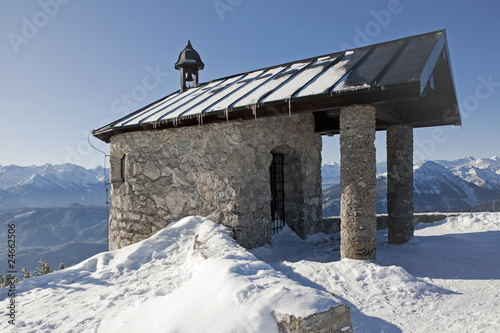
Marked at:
<point>106,182</point>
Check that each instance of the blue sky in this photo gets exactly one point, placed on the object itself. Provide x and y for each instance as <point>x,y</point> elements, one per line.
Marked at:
<point>67,67</point>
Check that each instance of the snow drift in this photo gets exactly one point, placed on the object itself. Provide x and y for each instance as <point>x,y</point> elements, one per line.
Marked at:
<point>446,279</point>
<point>189,277</point>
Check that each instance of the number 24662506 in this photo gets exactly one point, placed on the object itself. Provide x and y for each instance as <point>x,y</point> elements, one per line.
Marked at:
<point>11,244</point>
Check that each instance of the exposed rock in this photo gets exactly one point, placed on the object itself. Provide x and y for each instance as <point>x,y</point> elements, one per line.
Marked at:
<point>335,319</point>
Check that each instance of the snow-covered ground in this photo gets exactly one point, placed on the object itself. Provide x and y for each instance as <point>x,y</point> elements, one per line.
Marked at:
<point>446,279</point>
<point>192,277</point>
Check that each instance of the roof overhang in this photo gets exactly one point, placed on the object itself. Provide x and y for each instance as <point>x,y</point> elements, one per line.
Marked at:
<point>408,81</point>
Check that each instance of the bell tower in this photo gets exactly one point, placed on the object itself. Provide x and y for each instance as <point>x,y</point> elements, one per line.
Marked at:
<point>189,64</point>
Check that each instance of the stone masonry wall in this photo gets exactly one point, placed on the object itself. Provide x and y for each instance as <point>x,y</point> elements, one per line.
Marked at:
<point>218,170</point>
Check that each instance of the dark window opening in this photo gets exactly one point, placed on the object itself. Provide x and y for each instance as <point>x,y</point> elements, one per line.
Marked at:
<point>122,168</point>
<point>277,194</point>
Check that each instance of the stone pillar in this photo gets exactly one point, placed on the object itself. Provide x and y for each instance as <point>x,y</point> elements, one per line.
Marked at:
<point>358,182</point>
<point>400,183</point>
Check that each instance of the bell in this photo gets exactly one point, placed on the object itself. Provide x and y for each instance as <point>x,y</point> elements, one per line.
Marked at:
<point>189,64</point>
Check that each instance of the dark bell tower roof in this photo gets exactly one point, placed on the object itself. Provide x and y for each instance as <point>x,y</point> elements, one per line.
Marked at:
<point>189,58</point>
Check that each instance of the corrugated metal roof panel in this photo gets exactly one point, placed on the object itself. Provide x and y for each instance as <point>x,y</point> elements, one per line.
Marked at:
<point>328,78</point>
<point>410,63</point>
<point>153,109</point>
<point>255,96</point>
<point>300,79</point>
<point>247,89</point>
<point>222,95</point>
<point>365,73</point>
<point>204,92</point>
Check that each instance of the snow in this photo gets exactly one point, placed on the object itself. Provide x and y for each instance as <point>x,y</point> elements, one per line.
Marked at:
<point>228,92</point>
<point>288,89</point>
<point>244,90</point>
<point>428,178</point>
<point>330,172</point>
<point>281,78</point>
<point>23,215</point>
<point>483,172</point>
<point>189,277</point>
<point>63,175</point>
<point>206,98</point>
<point>160,106</point>
<point>192,277</point>
<point>333,76</point>
<point>446,279</point>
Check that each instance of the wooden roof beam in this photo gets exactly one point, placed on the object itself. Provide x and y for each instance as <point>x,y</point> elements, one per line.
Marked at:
<point>389,113</point>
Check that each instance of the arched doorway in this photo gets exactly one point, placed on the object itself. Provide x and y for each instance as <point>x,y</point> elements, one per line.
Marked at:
<point>287,190</point>
<point>277,193</point>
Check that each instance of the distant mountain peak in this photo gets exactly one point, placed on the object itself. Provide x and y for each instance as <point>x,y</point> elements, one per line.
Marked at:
<point>439,185</point>
<point>52,185</point>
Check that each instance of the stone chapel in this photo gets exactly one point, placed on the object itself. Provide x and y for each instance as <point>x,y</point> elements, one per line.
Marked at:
<point>245,150</point>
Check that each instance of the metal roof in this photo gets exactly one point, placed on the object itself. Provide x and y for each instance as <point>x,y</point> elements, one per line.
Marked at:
<point>408,80</point>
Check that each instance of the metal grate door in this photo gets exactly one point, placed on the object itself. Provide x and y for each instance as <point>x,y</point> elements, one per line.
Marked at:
<point>277,194</point>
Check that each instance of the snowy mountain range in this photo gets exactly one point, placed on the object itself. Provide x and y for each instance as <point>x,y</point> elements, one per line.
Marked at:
<point>59,212</point>
<point>63,205</point>
<point>461,185</point>
<point>438,185</point>
<point>51,185</point>
<point>58,235</point>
